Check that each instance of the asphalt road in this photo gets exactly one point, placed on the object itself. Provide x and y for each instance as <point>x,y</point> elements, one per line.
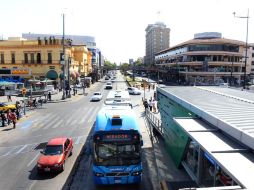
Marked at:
<point>20,148</point>
<point>82,179</point>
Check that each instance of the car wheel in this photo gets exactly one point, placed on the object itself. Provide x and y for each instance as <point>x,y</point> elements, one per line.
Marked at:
<point>63,166</point>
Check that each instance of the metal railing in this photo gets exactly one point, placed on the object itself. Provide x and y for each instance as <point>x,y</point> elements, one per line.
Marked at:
<point>154,121</point>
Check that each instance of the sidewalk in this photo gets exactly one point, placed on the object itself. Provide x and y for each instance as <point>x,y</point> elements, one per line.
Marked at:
<point>170,177</point>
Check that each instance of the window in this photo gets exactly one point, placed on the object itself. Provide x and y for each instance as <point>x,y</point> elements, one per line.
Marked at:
<point>38,57</point>
<point>61,56</point>
<point>26,57</point>
<point>2,58</point>
<point>116,122</point>
<point>66,144</point>
<point>49,57</point>
<point>12,57</point>
<point>32,58</point>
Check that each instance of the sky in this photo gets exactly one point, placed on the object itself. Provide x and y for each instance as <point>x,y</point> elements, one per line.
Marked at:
<point>119,25</point>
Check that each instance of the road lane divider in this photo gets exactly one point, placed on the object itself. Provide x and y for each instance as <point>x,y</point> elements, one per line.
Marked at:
<point>33,159</point>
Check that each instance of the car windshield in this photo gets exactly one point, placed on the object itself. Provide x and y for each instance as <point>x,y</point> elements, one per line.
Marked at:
<point>53,150</point>
<point>96,93</point>
<point>117,154</point>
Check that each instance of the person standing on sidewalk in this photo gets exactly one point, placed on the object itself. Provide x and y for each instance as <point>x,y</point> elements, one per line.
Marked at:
<point>3,118</point>
<point>150,105</point>
<point>12,117</point>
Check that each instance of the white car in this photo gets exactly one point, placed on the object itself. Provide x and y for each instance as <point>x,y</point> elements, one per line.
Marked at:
<point>134,91</point>
<point>97,96</point>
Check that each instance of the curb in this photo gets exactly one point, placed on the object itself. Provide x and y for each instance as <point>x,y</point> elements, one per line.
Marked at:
<point>69,180</point>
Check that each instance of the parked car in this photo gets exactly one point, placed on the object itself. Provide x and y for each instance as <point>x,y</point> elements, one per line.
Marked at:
<point>108,85</point>
<point>97,96</point>
<point>54,155</point>
<point>5,107</point>
<point>134,91</point>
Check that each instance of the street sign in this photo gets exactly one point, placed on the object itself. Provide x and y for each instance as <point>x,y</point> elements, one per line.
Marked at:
<point>23,91</point>
<point>62,62</point>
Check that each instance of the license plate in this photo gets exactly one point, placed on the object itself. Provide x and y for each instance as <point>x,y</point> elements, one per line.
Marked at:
<point>46,169</point>
<point>117,181</point>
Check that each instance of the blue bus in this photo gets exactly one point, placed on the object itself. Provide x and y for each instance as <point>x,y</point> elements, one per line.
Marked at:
<point>117,145</point>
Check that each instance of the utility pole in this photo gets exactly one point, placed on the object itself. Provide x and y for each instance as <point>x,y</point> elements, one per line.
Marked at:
<point>63,97</point>
<point>68,71</point>
<point>246,46</point>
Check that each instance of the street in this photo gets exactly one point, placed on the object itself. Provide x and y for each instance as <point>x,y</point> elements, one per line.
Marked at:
<point>20,148</point>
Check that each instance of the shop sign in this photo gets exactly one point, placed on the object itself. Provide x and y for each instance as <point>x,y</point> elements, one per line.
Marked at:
<point>11,80</point>
<point>20,72</point>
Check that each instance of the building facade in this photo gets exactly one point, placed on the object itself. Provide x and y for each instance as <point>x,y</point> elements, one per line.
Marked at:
<point>157,39</point>
<point>42,58</point>
<point>206,59</point>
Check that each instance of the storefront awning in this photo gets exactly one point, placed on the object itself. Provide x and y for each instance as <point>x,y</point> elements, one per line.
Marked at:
<point>229,155</point>
<point>52,74</point>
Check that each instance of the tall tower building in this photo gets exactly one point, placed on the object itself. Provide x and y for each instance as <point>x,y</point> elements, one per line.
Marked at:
<point>157,39</point>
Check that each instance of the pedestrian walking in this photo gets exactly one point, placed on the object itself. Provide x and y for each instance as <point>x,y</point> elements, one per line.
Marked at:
<point>49,96</point>
<point>12,117</point>
<point>154,105</point>
<point>150,105</point>
<point>145,104</point>
<point>9,98</point>
<point>3,118</point>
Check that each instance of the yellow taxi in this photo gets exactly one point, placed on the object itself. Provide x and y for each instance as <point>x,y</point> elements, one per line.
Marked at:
<point>4,107</point>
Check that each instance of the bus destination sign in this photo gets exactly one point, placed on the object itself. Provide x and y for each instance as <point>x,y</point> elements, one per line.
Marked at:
<point>117,137</point>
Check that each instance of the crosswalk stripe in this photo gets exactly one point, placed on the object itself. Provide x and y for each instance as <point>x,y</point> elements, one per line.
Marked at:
<point>85,116</point>
<point>93,114</point>
<point>57,124</point>
<point>49,124</point>
<point>74,115</point>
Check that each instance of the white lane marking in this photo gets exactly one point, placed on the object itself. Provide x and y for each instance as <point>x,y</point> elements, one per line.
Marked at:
<point>57,124</point>
<point>93,114</point>
<point>85,116</point>
<point>33,159</point>
<point>52,122</point>
<point>7,153</point>
<point>72,117</point>
<point>20,150</point>
<point>77,141</point>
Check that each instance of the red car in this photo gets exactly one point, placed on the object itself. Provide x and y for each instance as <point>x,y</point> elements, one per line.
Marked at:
<point>55,154</point>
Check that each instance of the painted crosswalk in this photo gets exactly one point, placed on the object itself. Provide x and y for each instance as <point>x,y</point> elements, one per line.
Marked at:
<point>78,118</point>
<point>20,149</point>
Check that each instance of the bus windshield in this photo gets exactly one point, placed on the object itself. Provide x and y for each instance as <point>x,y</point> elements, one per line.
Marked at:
<point>117,154</point>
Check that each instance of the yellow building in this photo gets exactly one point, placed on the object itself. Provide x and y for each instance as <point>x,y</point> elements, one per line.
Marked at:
<point>41,59</point>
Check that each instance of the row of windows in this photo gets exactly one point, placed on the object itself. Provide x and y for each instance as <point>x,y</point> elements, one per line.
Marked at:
<point>29,58</point>
<point>200,47</point>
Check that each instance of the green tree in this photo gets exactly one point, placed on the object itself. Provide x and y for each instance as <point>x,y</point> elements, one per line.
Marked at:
<point>124,66</point>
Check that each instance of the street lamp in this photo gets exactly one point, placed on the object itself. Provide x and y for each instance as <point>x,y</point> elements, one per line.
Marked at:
<point>246,45</point>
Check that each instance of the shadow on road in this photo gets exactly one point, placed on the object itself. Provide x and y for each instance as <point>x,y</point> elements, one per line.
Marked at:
<point>34,175</point>
<point>7,129</point>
